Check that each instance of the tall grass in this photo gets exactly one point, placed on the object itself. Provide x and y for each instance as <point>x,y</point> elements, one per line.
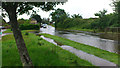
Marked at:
<point>41,52</point>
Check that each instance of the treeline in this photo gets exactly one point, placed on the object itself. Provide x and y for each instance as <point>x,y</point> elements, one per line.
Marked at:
<point>64,21</point>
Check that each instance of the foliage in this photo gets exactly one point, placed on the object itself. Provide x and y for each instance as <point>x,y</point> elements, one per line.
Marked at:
<point>23,21</point>
<point>76,22</point>
<point>101,13</point>
<point>3,22</point>
<point>59,16</point>
<point>118,10</point>
<point>26,33</point>
<point>76,16</point>
<point>36,17</point>
<point>29,27</point>
<point>25,7</point>
<point>45,21</point>
<point>109,20</point>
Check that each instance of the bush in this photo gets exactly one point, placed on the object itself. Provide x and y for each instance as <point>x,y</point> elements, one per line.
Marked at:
<point>23,21</point>
<point>29,27</point>
<point>26,33</point>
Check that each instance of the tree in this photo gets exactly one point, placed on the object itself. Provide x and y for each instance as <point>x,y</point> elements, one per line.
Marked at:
<point>118,11</point>
<point>59,16</point>
<point>102,22</point>
<point>116,4</point>
<point>23,21</point>
<point>45,21</point>
<point>101,13</point>
<point>36,17</point>
<point>77,16</point>
<point>18,8</point>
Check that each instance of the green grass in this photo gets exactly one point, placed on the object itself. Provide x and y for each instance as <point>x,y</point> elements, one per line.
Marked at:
<point>91,30</point>
<point>0,53</point>
<point>9,31</point>
<point>88,30</point>
<point>74,28</point>
<point>113,57</point>
<point>41,52</point>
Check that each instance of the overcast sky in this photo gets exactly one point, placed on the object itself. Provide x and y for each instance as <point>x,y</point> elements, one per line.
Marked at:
<point>86,8</point>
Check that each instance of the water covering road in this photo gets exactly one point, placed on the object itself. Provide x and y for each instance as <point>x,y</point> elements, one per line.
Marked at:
<point>83,55</point>
<point>88,39</point>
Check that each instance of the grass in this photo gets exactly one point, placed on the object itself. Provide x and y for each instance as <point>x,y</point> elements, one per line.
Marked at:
<point>74,28</point>
<point>113,57</point>
<point>41,52</point>
<point>0,53</point>
<point>9,31</point>
<point>91,30</point>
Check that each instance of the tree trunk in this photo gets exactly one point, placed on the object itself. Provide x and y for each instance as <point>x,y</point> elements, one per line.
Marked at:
<point>24,56</point>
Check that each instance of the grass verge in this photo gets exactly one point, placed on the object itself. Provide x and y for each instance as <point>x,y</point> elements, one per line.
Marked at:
<point>9,31</point>
<point>41,52</point>
<point>113,57</point>
<point>89,30</point>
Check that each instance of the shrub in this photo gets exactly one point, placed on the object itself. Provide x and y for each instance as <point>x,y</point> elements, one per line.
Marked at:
<point>29,27</point>
<point>26,33</point>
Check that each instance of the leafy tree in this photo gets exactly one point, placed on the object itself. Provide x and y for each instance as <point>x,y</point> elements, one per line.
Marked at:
<point>36,17</point>
<point>77,16</point>
<point>18,8</point>
<point>59,16</point>
<point>118,11</point>
<point>45,21</point>
<point>101,13</point>
<point>103,19</point>
<point>23,21</point>
<point>116,4</point>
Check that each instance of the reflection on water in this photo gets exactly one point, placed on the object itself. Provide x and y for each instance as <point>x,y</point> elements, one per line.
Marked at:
<point>48,30</point>
<point>96,41</point>
<point>91,58</point>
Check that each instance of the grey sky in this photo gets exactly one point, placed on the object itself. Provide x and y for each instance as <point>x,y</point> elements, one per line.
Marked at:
<point>86,8</point>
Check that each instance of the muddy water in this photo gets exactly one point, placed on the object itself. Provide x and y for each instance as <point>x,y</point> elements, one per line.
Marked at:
<point>85,38</point>
<point>83,55</point>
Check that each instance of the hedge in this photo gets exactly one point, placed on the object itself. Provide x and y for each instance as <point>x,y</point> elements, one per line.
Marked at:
<point>29,27</point>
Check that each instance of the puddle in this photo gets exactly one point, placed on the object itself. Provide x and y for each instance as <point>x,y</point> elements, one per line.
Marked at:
<point>83,55</point>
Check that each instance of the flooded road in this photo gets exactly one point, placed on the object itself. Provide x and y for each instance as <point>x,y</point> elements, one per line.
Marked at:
<point>83,55</point>
<point>88,39</point>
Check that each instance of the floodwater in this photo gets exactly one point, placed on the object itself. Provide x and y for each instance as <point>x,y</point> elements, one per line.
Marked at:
<point>83,55</point>
<point>85,38</point>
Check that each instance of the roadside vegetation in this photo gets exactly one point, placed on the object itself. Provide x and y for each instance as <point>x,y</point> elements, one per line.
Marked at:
<point>10,31</point>
<point>113,57</point>
<point>76,22</point>
<point>41,52</point>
